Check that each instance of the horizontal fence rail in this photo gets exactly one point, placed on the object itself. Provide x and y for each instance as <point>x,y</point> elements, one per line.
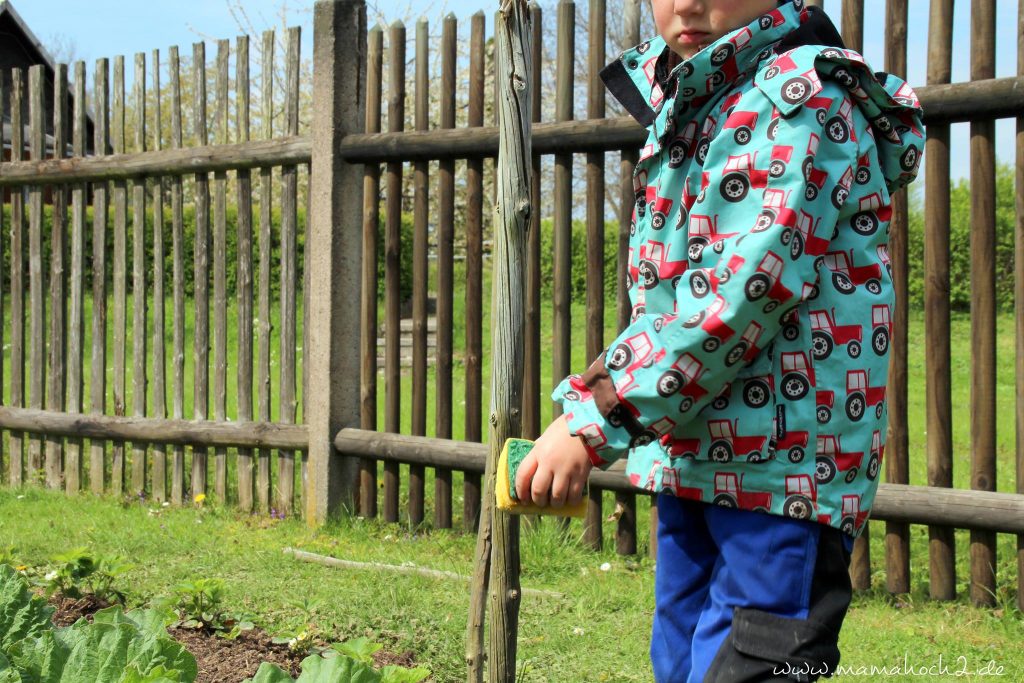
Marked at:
<point>1002,512</point>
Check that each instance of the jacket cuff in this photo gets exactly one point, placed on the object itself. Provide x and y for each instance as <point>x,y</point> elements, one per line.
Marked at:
<point>587,409</point>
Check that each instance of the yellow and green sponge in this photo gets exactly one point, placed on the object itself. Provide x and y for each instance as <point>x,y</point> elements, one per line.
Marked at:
<point>512,455</point>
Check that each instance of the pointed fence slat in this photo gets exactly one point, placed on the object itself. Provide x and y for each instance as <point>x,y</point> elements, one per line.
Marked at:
<point>36,285</point>
<point>264,476</point>
<point>98,359</point>
<point>178,267</point>
<point>200,271</point>
<point>139,295</point>
<point>159,407</point>
<point>220,294</point>
<point>120,272</point>
<point>244,285</point>
<point>74,470</point>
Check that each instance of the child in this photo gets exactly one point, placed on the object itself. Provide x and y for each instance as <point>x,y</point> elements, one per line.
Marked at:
<point>762,298</point>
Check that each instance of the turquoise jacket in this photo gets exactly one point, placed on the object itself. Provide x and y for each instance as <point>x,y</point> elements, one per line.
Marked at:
<point>754,368</point>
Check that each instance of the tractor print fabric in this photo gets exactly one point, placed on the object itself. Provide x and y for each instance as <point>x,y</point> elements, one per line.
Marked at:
<point>753,371</point>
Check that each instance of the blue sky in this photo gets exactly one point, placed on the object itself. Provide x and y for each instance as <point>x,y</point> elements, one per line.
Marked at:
<point>103,28</point>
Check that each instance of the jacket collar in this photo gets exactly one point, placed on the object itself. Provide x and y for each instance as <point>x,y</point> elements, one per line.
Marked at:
<point>639,81</point>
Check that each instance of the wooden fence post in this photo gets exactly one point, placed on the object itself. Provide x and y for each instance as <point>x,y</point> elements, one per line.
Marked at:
<point>511,221</point>
<point>339,63</point>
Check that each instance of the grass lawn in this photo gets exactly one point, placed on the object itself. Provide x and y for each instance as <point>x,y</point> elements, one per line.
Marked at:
<point>599,631</point>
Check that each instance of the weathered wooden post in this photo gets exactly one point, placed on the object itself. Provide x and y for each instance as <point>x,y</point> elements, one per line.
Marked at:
<point>511,221</point>
<point>339,63</point>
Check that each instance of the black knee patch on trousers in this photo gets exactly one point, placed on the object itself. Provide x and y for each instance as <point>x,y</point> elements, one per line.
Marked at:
<point>762,646</point>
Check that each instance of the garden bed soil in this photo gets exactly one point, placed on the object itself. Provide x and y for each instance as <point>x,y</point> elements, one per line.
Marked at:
<point>219,660</point>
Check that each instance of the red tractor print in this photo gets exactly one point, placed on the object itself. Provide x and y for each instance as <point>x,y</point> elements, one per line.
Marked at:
<point>662,208</point>
<point>863,174</point>
<point>705,139</point>
<point>872,212</point>
<point>840,127</point>
<point>860,396</point>
<point>686,203</point>
<point>734,46</point>
<point>881,329</point>
<point>852,517</point>
<point>790,320</point>
<point>825,335</point>
<point>883,256</point>
<point>743,124</point>
<point>875,459</point>
<point>797,375</point>
<point>775,211</point>
<point>729,104</point>
<point>846,276</point>
<point>767,281</point>
<point>740,175</point>
<point>799,88</point>
<point>654,432</point>
<point>771,19</point>
<point>825,400</point>
<point>704,231</point>
<point>681,448</point>
<point>655,268</point>
<point>801,497</point>
<point>632,270</point>
<point>781,156</point>
<point>681,148</point>
<point>805,238</point>
<point>685,372</point>
<point>814,176</point>
<point>841,193</point>
<point>729,493</point>
<point>726,444</point>
<point>710,320</point>
<point>746,348</point>
<point>670,484</point>
<point>830,457</point>
<point>579,391</point>
<point>794,443</point>
<point>593,434</point>
<point>704,280</point>
<point>635,352</point>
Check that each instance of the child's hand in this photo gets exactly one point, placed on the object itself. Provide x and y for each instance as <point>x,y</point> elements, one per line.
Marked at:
<point>555,469</point>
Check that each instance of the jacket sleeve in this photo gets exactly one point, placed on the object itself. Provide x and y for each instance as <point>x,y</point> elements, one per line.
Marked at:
<point>774,212</point>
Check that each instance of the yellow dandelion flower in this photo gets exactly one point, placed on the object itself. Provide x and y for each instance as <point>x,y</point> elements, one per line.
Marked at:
<point>199,497</point>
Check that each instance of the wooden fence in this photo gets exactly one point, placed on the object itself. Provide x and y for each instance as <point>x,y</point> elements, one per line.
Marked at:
<point>354,163</point>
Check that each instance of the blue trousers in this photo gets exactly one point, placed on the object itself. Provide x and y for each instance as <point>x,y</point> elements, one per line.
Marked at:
<point>746,596</point>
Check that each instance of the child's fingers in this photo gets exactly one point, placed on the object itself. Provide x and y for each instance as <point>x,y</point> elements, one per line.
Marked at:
<point>524,475</point>
<point>541,485</point>
<point>559,489</point>
<point>576,490</point>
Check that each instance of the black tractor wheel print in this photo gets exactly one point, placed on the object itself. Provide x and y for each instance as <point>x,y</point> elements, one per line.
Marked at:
<point>880,341</point>
<point>820,115</point>
<point>839,196</point>
<point>658,220</point>
<point>685,404</point>
<point>862,175</point>
<point>823,415</point>
<point>719,246</point>
<point>776,168</point>
<point>734,187</point>
<point>755,456</point>
<point>796,90</point>
<point>721,451</point>
<point>811,192</point>
<point>790,332</point>
<point>813,294</point>
<point>807,167</point>
<point>757,286</point>
<point>818,261</point>
<point>649,274</point>
<point>873,286</point>
<point>847,526</point>
<point>722,53</point>
<point>687,69</point>
<point>771,306</point>
<point>720,403</point>
<point>821,345</point>
<point>711,344</point>
<point>642,439</point>
<point>765,22</point>
<point>675,281</point>
<point>725,500</point>
<point>736,353</point>
<point>764,221</point>
<point>755,393</point>
<point>873,467</point>
<point>773,128</point>
<point>865,222</point>
<point>824,470</point>
<point>831,53</point>
<point>742,135</point>
<point>699,285</point>
<point>717,78</point>
<point>785,236</point>
<point>843,283</point>
<point>572,395</point>
<point>695,249</point>
<point>855,406</point>
<point>726,274</point>
<point>669,383</point>
<point>796,454</point>
<point>797,507</point>
<point>771,72</point>
<point>620,357</point>
<point>878,411</point>
<point>694,319</point>
<point>659,322</point>
<point>676,154</point>
<point>853,348</point>
<point>851,474</point>
<point>795,386</point>
<point>837,130</point>
<point>644,47</point>
<point>702,151</point>
<point>909,159</point>
<point>844,78</point>
<point>680,217</point>
<point>796,245</point>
